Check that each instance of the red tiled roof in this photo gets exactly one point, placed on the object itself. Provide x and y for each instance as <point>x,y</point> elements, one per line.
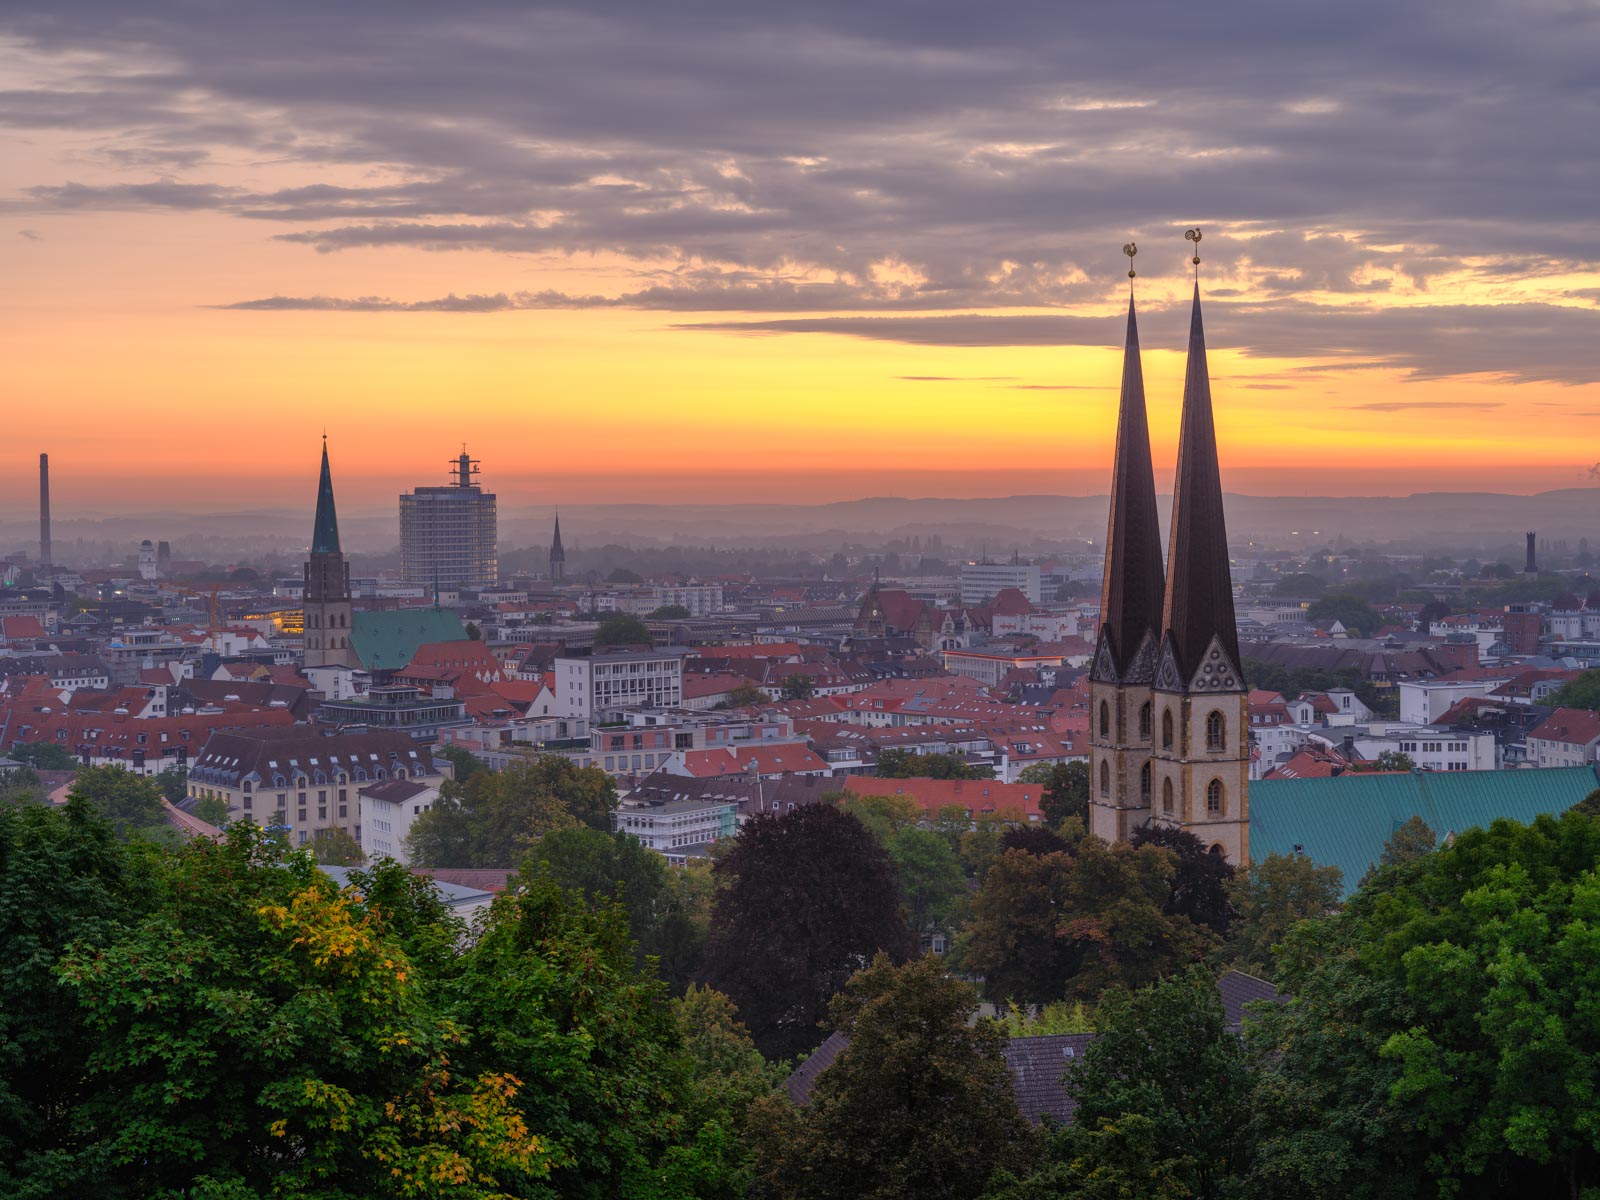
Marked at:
<point>976,796</point>
<point>1573,726</point>
<point>769,760</point>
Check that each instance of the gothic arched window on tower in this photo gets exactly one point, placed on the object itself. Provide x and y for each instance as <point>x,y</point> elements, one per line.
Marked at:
<point>1144,722</point>
<point>1166,796</point>
<point>1214,797</point>
<point>1105,779</point>
<point>1216,732</point>
<point>1166,730</point>
<point>1105,719</point>
<point>1144,784</point>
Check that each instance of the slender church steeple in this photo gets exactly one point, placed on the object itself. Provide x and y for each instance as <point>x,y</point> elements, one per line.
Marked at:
<point>327,605</point>
<point>558,556</point>
<point>325,532</point>
<point>1202,750</point>
<point>1121,700</point>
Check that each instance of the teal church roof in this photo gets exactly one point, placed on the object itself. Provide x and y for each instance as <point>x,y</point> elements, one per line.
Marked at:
<point>388,640</point>
<point>325,534</point>
<point>1345,821</point>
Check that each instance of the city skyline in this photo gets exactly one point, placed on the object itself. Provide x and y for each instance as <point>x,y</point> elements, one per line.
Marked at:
<point>790,256</point>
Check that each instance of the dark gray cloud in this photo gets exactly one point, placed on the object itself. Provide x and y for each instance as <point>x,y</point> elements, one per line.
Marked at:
<point>994,156</point>
<point>1426,342</point>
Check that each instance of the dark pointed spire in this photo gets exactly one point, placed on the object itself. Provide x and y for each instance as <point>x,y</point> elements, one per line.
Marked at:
<point>556,552</point>
<point>1199,601</point>
<point>1130,598</point>
<point>325,534</point>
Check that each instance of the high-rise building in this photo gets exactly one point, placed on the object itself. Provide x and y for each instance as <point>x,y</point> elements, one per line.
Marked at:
<point>327,594</point>
<point>558,556</point>
<point>982,581</point>
<point>1170,728</point>
<point>44,511</point>
<point>448,534</point>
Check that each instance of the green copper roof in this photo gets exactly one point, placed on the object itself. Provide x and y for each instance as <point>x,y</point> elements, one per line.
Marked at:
<point>1344,822</point>
<point>325,535</point>
<point>387,641</point>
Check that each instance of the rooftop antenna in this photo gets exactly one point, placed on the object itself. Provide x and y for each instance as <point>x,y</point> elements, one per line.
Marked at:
<point>1193,235</point>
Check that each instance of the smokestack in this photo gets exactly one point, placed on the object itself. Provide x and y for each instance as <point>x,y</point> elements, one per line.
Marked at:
<point>1533,565</point>
<point>44,510</point>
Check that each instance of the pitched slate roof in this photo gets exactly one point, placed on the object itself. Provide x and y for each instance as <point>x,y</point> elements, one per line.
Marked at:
<point>1130,600</point>
<point>325,533</point>
<point>1345,822</point>
<point>1199,599</point>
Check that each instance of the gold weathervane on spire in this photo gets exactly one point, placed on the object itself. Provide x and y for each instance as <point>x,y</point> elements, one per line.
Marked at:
<point>1130,249</point>
<point>1193,235</point>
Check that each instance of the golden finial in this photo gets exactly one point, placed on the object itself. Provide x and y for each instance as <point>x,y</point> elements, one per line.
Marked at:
<point>1130,249</point>
<point>1193,235</point>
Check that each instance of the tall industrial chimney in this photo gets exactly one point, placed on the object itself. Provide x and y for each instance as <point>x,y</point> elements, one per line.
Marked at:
<point>1533,564</point>
<point>44,510</point>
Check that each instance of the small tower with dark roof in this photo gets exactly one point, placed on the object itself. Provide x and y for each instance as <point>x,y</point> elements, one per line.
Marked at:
<point>1201,755</point>
<point>1121,696</point>
<point>327,603</point>
<point>558,556</point>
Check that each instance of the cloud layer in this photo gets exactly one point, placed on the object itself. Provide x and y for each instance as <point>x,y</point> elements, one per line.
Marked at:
<point>859,158</point>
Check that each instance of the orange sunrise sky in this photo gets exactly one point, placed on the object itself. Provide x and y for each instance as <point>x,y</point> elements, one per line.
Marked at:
<point>769,258</point>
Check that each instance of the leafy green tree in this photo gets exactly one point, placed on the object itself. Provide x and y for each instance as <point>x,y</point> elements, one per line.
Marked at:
<point>1033,839</point>
<point>980,844</point>
<point>1394,760</point>
<point>43,756</point>
<point>254,1034</point>
<point>1047,1020</point>
<point>1589,805</point>
<point>130,802</point>
<point>1582,692</point>
<point>494,818</point>
<point>799,687</point>
<point>213,810</point>
<point>174,784</point>
<point>745,695</point>
<point>931,878</point>
<point>1013,938</point>
<point>1273,895</point>
<point>64,881</point>
<point>668,908</point>
<point>1354,613</point>
<point>1122,1159</point>
<point>336,848</point>
<point>20,785</point>
<point>463,762</point>
<point>1045,927</point>
<point>1066,789</point>
<point>728,1080</point>
<point>804,900</point>
<point>1165,1054</point>
<point>620,629</point>
<point>474,634</point>
<point>1200,884</point>
<point>908,764</point>
<point>884,816</point>
<point>552,987</point>
<point>623,575</point>
<point>918,1105</point>
<point>670,612</point>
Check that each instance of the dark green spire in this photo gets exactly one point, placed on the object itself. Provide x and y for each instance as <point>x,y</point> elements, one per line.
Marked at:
<point>325,536</point>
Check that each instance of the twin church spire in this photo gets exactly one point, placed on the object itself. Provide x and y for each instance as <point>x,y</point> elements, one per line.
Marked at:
<point>1169,729</point>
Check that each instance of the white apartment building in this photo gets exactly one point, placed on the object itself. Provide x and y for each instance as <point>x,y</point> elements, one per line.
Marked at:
<point>388,811</point>
<point>677,827</point>
<point>618,679</point>
<point>979,581</point>
<point>701,599</point>
<point>1424,701</point>
<point>1429,749</point>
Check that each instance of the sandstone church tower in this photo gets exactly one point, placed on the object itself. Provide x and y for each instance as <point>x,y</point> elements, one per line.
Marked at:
<point>327,597</point>
<point>1171,747</point>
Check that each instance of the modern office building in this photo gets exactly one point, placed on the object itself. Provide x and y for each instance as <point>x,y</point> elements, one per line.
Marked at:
<point>619,679</point>
<point>982,581</point>
<point>448,534</point>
